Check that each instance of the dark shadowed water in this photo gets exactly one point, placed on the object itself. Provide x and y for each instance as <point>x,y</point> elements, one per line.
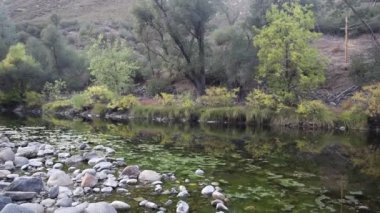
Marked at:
<point>260,170</point>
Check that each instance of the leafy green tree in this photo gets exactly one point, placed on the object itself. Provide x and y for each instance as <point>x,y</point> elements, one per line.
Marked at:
<point>111,64</point>
<point>288,64</point>
<point>19,73</point>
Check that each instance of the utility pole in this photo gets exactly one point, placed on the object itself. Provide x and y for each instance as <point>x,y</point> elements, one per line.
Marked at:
<point>346,41</point>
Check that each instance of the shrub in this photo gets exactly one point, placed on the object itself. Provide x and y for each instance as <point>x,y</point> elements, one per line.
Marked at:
<point>54,91</point>
<point>57,106</point>
<point>157,86</point>
<point>185,100</point>
<point>166,99</point>
<point>315,113</point>
<point>33,99</point>
<point>368,100</point>
<point>99,109</point>
<point>219,97</point>
<point>100,94</point>
<point>258,99</point>
<point>354,118</point>
<point>80,101</point>
<point>124,103</point>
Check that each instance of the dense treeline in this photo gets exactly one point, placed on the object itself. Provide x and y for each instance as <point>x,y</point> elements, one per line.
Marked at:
<point>262,45</point>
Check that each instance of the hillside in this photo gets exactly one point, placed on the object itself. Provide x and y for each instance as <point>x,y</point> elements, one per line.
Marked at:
<point>83,10</point>
<point>102,13</point>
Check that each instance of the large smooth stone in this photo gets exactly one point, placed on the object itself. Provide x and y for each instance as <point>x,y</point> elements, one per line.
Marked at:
<point>13,208</point>
<point>4,173</point>
<point>102,166</point>
<point>132,171</point>
<point>26,184</point>
<point>20,196</point>
<point>73,160</point>
<point>89,180</point>
<point>7,154</point>
<point>149,176</point>
<point>20,161</point>
<point>119,205</point>
<point>4,201</point>
<point>101,207</point>
<point>69,210</point>
<point>208,190</point>
<point>28,152</point>
<point>34,207</point>
<point>59,178</point>
<point>182,207</point>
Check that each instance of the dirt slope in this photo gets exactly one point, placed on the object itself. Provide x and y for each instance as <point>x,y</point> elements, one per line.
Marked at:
<point>81,10</point>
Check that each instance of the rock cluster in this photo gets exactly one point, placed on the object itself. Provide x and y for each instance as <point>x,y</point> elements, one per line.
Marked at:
<point>37,177</point>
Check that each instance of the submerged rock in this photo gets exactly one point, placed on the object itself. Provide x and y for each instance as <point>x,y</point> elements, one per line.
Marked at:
<point>101,207</point>
<point>208,190</point>
<point>59,178</point>
<point>148,176</point>
<point>13,208</point>
<point>182,207</point>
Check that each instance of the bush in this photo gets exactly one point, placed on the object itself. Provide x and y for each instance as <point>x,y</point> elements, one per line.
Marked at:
<point>33,99</point>
<point>157,86</point>
<point>55,90</point>
<point>368,100</point>
<point>166,99</point>
<point>99,109</point>
<point>258,99</point>
<point>315,113</point>
<point>57,106</point>
<point>365,68</point>
<point>99,94</point>
<point>81,101</point>
<point>219,97</point>
<point>354,118</point>
<point>124,103</point>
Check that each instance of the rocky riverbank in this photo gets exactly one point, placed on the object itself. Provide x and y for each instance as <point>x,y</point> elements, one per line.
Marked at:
<point>74,177</point>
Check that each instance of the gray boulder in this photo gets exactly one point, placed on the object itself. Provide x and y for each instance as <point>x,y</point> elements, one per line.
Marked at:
<point>100,207</point>
<point>59,178</point>
<point>28,152</point>
<point>13,208</point>
<point>132,171</point>
<point>20,196</point>
<point>20,161</point>
<point>26,184</point>
<point>34,207</point>
<point>7,154</point>
<point>149,176</point>
<point>4,201</point>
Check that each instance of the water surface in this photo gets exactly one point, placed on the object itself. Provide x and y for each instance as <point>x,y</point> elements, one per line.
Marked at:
<point>274,170</point>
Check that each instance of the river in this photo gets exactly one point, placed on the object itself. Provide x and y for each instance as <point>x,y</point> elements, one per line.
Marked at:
<point>259,170</point>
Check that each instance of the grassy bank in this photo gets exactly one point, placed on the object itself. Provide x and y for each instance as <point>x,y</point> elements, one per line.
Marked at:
<point>260,109</point>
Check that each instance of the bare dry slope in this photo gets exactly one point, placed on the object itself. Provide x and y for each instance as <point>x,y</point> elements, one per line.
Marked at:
<point>81,10</point>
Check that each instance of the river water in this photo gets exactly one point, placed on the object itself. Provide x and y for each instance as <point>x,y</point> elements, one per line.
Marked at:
<point>278,170</point>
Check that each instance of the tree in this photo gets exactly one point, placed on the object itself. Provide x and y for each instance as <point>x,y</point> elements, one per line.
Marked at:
<point>288,64</point>
<point>19,73</point>
<point>176,29</point>
<point>7,34</point>
<point>65,63</point>
<point>111,64</point>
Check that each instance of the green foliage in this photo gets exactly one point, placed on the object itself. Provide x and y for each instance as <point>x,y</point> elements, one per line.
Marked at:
<point>365,68</point>
<point>124,103</point>
<point>157,86</point>
<point>288,64</point>
<point>354,118</point>
<point>99,94</point>
<point>166,99</point>
<point>258,99</point>
<point>315,113</point>
<point>33,99</point>
<point>99,109</point>
<point>219,97</point>
<point>111,64</point>
<point>56,106</point>
<point>368,100</point>
<point>55,90</point>
<point>19,72</point>
<point>81,101</point>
